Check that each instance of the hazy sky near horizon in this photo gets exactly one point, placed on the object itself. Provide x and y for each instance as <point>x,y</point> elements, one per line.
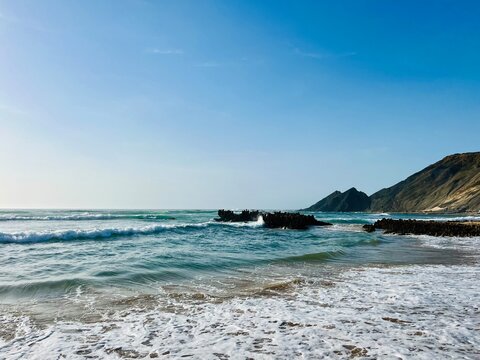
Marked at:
<point>236,103</point>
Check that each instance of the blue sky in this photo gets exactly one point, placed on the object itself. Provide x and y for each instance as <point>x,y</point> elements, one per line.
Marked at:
<point>209,104</point>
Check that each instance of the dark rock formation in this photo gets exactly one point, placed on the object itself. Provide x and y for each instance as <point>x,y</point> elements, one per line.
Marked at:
<point>369,227</point>
<point>244,216</point>
<point>272,220</point>
<point>420,227</point>
<point>291,220</point>
<point>350,200</point>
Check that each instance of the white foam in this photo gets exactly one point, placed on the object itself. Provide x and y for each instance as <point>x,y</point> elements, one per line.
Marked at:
<point>99,233</point>
<point>450,242</point>
<point>77,217</point>
<point>421,312</point>
<point>345,227</point>
<point>258,223</point>
<point>96,233</point>
<point>448,218</point>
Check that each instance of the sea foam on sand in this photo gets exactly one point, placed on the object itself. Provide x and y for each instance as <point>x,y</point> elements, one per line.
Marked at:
<point>421,312</point>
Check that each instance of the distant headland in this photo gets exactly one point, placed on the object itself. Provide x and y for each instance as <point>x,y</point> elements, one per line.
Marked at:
<point>451,185</point>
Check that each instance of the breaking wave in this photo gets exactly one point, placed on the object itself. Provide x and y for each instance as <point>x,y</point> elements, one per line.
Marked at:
<point>453,218</point>
<point>84,216</point>
<point>62,235</point>
<point>103,233</point>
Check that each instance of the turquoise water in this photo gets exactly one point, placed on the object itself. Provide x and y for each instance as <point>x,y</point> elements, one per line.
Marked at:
<point>88,267</point>
<point>53,252</point>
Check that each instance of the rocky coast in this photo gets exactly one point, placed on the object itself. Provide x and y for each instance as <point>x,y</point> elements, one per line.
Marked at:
<point>273,220</point>
<point>422,227</point>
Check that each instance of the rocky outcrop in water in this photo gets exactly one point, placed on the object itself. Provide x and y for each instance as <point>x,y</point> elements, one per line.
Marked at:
<point>244,216</point>
<point>276,219</point>
<point>291,220</point>
<point>369,227</point>
<point>421,227</point>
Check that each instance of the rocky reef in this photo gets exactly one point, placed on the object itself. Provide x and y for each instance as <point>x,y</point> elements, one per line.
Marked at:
<point>422,227</point>
<point>276,219</point>
<point>244,216</point>
<point>290,220</point>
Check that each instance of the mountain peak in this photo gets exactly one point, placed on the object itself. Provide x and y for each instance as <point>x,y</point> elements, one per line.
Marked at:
<point>449,185</point>
<point>350,200</point>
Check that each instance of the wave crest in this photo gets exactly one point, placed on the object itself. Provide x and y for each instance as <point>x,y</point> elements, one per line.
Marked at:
<point>102,233</point>
<point>65,235</point>
<point>84,216</point>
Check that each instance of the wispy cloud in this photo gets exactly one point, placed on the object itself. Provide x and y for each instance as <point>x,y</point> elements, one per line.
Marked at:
<point>11,110</point>
<point>323,55</point>
<point>6,18</point>
<point>13,20</point>
<point>165,51</point>
<point>210,64</point>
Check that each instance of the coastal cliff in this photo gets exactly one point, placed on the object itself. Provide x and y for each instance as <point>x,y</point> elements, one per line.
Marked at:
<point>449,185</point>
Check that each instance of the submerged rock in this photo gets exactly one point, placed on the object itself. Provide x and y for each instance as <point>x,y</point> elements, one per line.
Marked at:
<point>277,219</point>
<point>422,227</point>
<point>369,227</point>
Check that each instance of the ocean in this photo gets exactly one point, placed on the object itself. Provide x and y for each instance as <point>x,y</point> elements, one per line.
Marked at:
<point>110,284</point>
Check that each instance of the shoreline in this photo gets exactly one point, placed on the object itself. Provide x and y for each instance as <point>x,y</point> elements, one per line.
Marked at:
<point>202,289</point>
<point>312,320</point>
